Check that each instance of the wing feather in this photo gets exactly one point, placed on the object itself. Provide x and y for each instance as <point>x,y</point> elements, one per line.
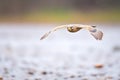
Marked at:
<point>94,32</point>
<point>54,29</point>
<point>97,35</point>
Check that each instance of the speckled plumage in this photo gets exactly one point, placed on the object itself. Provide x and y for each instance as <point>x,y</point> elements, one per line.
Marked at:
<point>75,28</point>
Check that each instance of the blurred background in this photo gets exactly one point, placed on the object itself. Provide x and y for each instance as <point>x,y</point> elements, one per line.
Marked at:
<point>42,11</point>
<point>62,55</point>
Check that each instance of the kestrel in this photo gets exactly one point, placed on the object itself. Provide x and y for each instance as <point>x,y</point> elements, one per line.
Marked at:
<point>76,27</point>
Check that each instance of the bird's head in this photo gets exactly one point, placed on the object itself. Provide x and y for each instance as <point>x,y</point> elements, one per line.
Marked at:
<point>94,26</point>
<point>73,29</point>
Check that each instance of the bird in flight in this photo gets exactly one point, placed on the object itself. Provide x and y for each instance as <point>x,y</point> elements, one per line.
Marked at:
<point>76,27</point>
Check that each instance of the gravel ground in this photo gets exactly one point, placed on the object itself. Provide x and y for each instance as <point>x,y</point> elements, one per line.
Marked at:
<point>61,56</point>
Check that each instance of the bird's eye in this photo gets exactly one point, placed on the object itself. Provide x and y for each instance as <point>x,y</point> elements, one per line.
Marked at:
<point>71,27</point>
<point>94,26</point>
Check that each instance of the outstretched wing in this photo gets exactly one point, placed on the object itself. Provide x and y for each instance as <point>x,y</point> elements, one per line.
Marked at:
<point>45,35</point>
<point>54,29</point>
<point>97,35</point>
<point>94,32</point>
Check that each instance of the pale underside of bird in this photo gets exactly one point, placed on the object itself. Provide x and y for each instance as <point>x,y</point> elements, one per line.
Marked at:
<point>76,27</point>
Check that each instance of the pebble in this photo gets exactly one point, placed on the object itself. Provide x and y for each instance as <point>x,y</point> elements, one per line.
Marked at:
<point>98,65</point>
<point>44,73</point>
<point>94,75</point>
<point>1,78</point>
<point>101,74</point>
<point>109,77</point>
<point>5,70</point>
<point>31,73</point>
<point>79,75</point>
<point>50,72</point>
<point>12,75</point>
<point>72,76</point>
<point>116,48</point>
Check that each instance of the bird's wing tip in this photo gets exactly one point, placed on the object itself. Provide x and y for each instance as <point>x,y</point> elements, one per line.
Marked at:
<point>45,35</point>
<point>97,35</point>
<point>41,38</point>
